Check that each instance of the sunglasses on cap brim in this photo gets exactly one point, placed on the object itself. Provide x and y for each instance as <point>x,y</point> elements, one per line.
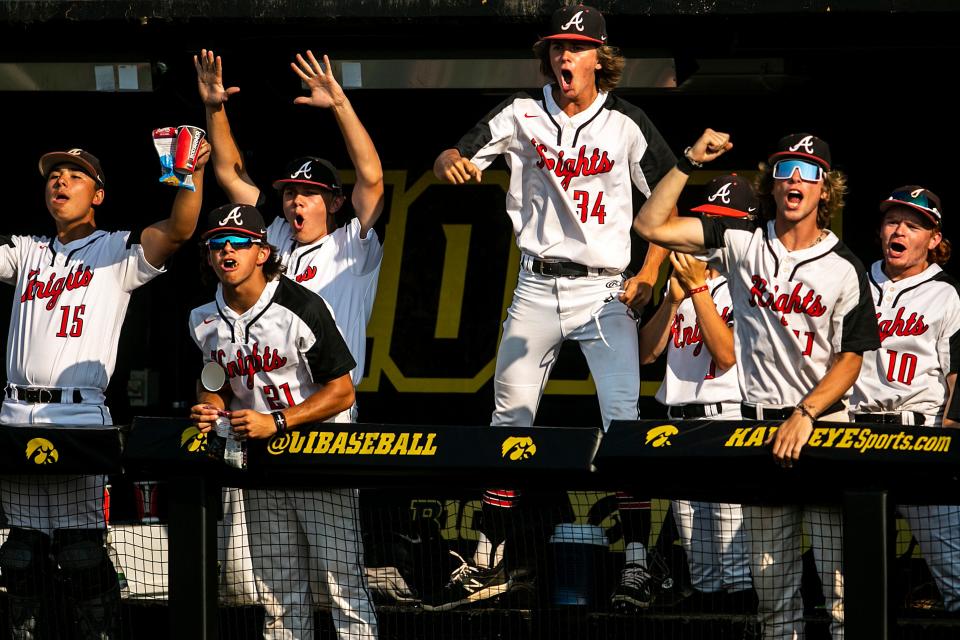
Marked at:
<point>919,201</point>
<point>809,172</point>
<point>237,242</point>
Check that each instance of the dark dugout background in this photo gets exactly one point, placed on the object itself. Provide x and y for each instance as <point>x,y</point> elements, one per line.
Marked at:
<point>874,79</point>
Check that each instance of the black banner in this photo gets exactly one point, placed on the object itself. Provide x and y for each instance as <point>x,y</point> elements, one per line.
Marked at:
<point>726,458</point>
<point>165,445</point>
<point>59,449</point>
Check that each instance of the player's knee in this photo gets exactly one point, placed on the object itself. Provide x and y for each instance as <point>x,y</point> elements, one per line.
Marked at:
<point>24,559</point>
<point>84,563</point>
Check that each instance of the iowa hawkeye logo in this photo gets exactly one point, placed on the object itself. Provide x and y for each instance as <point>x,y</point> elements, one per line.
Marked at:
<point>42,451</point>
<point>518,448</point>
<point>660,436</point>
<point>193,441</point>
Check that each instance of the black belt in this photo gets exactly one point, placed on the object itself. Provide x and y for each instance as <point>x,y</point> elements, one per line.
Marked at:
<point>889,418</point>
<point>559,268</point>
<point>749,411</point>
<point>688,411</point>
<point>44,395</point>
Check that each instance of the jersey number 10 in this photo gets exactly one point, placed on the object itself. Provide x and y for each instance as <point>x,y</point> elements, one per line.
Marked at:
<point>907,368</point>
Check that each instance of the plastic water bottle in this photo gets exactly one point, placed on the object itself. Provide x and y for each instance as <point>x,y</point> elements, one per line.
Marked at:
<point>233,452</point>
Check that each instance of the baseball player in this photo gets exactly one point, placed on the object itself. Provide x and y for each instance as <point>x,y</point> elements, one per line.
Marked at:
<point>342,264</point>
<point>574,151</point>
<point>71,292</point>
<point>694,325</point>
<point>912,377</point>
<point>804,319</point>
<point>300,374</point>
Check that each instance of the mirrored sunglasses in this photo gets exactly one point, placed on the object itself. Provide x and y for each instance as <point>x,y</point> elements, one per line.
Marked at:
<point>809,172</point>
<point>237,242</point>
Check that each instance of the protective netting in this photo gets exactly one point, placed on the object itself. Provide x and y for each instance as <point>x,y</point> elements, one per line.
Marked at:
<point>455,563</point>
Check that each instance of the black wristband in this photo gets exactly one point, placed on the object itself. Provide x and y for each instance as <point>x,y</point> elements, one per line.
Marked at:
<point>684,165</point>
<point>280,422</point>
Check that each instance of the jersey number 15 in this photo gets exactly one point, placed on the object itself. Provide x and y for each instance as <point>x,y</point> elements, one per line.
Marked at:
<point>71,328</point>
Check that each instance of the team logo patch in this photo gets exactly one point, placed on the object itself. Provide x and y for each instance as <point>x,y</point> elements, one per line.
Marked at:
<point>234,215</point>
<point>806,142</point>
<point>723,193</point>
<point>518,448</point>
<point>193,441</point>
<point>660,436</point>
<point>306,170</point>
<point>575,21</point>
<point>42,451</point>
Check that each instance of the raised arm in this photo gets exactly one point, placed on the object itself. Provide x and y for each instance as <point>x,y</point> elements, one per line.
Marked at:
<point>161,239</point>
<point>228,165</point>
<point>717,336</point>
<point>326,93</point>
<point>655,221</point>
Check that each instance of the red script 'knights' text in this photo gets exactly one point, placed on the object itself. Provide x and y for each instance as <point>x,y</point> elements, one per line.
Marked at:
<point>248,365</point>
<point>54,285</point>
<point>785,303</point>
<point>569,168</point>
<point>912,326</point>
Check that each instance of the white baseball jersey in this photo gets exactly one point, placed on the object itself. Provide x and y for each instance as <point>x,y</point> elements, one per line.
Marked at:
<point>343,268</point>
<point>277,353</point>
<point>692,376</point>
<point>68,306</point>
<point>570,194</point>
<point>919,320</point>
<point>795,309</point>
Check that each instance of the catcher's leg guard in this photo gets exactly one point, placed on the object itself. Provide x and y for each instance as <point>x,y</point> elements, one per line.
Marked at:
<point>28,575</point>
<point>90,582</point>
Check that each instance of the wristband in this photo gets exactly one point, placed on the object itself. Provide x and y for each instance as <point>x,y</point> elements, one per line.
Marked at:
<point>698,290</point>
<point>280,422</point>
<point>804,411</point>
<point>685,165</point>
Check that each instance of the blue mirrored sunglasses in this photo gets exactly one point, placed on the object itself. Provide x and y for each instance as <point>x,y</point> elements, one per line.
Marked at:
<point>809,172</point>
<point>237,242</point>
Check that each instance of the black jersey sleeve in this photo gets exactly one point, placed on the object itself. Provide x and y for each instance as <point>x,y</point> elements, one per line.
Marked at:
<point>859,327</point>
<point>715,229</point>
<point>328,357</point>
<point>480,135</point>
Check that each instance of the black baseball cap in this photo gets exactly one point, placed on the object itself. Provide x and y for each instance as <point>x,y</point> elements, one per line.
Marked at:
<point>917,198</point>
<point>236,219</point>
<point>311,170</point>
<point>730,196</point>
<point>578,22</point>
<point>83,159</point>
<point>803,146</point>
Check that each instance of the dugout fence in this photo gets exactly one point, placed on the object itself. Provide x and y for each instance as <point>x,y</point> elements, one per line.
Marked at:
<point>195,540</point>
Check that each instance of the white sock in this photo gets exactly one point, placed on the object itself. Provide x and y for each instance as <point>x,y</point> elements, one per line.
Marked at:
<point>636,554</point>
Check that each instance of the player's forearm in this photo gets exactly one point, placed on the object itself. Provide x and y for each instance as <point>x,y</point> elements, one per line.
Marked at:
<point>655,333</point>
<point>368,190</point>
<point>335,396</point>
<point>657,221</point>
<point>163,238</point>
<point>216,399</point>
<point>951,387</point>
<point>837,381</point>
<point>714,332</point>
<point>227,160</point>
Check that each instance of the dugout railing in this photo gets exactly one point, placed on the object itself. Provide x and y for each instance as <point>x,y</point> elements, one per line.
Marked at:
<point>866,470</point>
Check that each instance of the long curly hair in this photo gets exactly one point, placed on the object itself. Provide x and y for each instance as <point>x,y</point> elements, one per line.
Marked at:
<point>609,58</point>
<point>834,186</point>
